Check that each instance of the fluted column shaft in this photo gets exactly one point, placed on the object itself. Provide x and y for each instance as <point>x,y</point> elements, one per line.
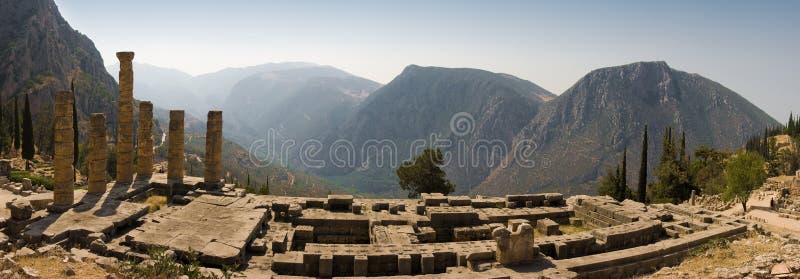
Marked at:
<point>175,155</point>
<point>213,157</point>
<point>96,160</point>
<point>63,171</point>
<point>144,161</point>
<point>125,115</point>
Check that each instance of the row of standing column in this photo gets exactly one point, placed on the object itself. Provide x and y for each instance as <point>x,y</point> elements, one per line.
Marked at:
<point>63,194</point>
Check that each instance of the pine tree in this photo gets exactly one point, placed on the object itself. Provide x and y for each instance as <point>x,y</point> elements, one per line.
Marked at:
<point>27,133</point>
<point>643,169</point>
<point>15,123</point>
<point>791,127</point>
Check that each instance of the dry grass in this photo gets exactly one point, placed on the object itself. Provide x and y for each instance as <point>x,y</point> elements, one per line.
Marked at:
<point>155,202</point>
<point>722,253</point>
<point>53,267</point>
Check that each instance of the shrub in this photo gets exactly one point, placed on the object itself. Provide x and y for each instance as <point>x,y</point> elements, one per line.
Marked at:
<point>17,176</point>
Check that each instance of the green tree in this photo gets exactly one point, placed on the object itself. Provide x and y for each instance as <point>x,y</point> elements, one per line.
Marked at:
<point>643,170</point>
<point>424,174</point>
<point>744,173</point>
<point>15,124</point>
<point>76,135</point>
<point>28,149</point>
<point>3,135</point>
<point>615,184</point>
<point>708,170</point>
<point>791,126</point>
<point>673,182</point>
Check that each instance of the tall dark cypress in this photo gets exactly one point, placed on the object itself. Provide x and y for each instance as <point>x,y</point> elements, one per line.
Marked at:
<point>15,123</point>
<point>682,159</point>
<point>74,127</point>
<point>643,169</point>
<point>791,127</point>
<point>3,135</point>
<point>27,132</point>
<point>623,180</point>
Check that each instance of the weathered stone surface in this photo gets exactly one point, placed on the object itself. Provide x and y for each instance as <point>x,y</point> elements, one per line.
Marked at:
<point>125,115</point>
<point>175,156</point>
<point>20,210</point>
<point>515,247</point>
<point>219,233</point>
<point>63,172</point>
<point>213,156</point>
<point>96,160</point>
<point>144,150</point>
<point>98,214</point>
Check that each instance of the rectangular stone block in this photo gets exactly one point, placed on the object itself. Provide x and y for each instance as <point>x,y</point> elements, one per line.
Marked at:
<point>427,264</point>
<point>326,265</point>
<point>360,265</point>
<point>404,264</point>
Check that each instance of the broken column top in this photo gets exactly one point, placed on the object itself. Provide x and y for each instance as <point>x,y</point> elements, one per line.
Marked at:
<point>214,113</point>
<point>125,55</point>
<point>146,105</point>
<point>97,119</point>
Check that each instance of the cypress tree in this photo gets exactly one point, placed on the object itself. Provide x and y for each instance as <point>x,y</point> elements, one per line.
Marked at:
<point>15,123</point>
<point>623,179</point>
<point>791,127</point>
<point>643,169</point>
<point>27,133</point>
<point>2,129</point>
<point>74,128</point>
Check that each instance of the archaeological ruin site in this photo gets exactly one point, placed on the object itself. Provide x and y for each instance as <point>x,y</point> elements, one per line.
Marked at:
<point>545,235</point>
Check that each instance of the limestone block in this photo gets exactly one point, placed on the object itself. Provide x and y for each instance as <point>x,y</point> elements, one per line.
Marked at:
<point>575,221</point>
<point>20,210</point>
<point>513,224</point>
<point>326,265</point>
<point>360,265</point>
<point>433,199</point>
<point>427,263</point>
<point>547,227</point>
<point>404,264</point>
<point>357,208</point>
<point>514,248</point>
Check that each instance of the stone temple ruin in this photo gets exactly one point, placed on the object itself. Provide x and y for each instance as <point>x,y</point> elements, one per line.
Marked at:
<point>516,236</point>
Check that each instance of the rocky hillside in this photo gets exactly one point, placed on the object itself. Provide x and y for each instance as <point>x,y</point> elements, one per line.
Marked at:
<point>40,54</point>
<point>172,88</point>
<point>460,105</point>
<point>585,129</point>
<point>297,103</point>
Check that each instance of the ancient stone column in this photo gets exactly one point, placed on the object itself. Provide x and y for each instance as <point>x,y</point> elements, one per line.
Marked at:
<point>63,171</point>
<point>175,147</point>
<point>125,127</point>
<point>144,160</point>
<point>96,159</point>
<point>213,160</point>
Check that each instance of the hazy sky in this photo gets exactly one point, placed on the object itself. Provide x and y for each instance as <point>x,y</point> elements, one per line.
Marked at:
<point>749,46</point>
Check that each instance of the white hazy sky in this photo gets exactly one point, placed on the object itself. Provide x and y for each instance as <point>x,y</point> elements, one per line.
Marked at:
<point>748,46</point>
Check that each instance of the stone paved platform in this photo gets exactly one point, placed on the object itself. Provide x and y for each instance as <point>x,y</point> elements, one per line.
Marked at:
<point>94,214</point>
<point>218,229</point>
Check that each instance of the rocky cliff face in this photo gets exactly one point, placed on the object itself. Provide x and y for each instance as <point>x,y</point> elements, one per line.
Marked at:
<point>464,106</point>
<point>41,54</point>
<point>586,128</point>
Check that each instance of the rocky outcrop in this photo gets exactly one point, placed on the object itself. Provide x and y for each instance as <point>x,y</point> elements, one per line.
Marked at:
<point>41,54</point>
<point>587,127</point>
